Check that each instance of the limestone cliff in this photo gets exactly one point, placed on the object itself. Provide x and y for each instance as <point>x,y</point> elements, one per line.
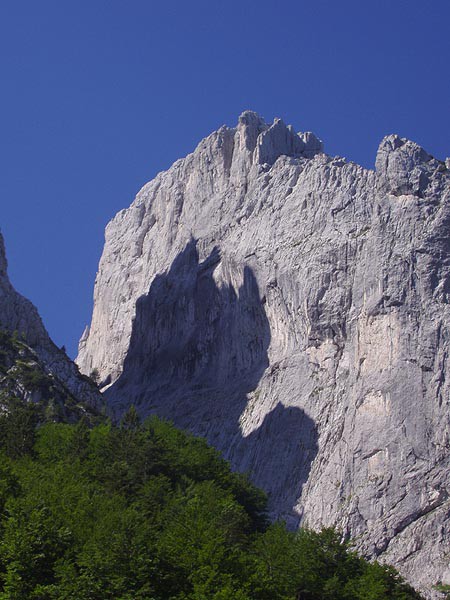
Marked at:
<point>32,368</point>
<point>294,308</point>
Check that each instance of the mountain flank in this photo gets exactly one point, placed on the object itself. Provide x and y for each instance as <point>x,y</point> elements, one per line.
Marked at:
<point>89,509</point>
<point>32,367</point>
<point>293,308</point>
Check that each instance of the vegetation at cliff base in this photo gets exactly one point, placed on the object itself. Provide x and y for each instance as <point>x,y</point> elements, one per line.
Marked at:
<point>145,511</point>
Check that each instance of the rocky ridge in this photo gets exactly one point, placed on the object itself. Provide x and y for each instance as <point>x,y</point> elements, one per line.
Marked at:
<point>293,308</point>
<point>26,380</point>
<point>32,367</point>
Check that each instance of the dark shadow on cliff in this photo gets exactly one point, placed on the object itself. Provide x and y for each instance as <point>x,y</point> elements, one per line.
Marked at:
<point>279,454</point>
<point>196,350</point>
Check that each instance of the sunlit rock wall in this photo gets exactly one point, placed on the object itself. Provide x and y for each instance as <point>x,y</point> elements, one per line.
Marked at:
<point>293,308</point>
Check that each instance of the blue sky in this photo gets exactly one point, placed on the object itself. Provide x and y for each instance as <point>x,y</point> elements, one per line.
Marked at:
<point>98,96</point>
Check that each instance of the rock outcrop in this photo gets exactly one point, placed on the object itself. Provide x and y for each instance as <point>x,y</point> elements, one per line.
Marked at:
<point>26,380</point>
<point>293,308</point>
<point>31,348</point>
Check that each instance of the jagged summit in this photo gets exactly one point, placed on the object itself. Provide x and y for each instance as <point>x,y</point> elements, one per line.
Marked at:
<point>293,308</point>
<point>268,142</point>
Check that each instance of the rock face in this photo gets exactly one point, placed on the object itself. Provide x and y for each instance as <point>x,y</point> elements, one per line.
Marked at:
<point>293,308</point>
<point>35,350</point>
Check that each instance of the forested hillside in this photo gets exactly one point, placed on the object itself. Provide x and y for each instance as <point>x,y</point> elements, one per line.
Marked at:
<point>144,511</point>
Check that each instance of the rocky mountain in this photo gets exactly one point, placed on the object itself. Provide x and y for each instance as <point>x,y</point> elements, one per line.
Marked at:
<point>32,367</point>
<point>293,308</point>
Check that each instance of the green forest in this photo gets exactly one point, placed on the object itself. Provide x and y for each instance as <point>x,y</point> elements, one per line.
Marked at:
<point>144,511</point>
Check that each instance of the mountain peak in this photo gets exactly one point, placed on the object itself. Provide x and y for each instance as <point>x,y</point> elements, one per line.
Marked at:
<point>294,312</point>
<point>269,141</point>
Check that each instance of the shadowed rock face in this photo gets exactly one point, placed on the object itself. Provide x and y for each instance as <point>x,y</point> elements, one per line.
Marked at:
<point>294,308</point>
<point>17,314</point>
<point>196,350</point>
<point>189,332</point>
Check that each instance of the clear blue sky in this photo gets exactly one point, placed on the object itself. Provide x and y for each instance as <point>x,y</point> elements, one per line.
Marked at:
<point>98,96</point>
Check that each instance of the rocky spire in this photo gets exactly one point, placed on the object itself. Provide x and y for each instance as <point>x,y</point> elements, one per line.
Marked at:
<point>268,142</point>
<point>250,126</point>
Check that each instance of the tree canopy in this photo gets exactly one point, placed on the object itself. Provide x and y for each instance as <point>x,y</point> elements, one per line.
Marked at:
<point>147,512</point>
